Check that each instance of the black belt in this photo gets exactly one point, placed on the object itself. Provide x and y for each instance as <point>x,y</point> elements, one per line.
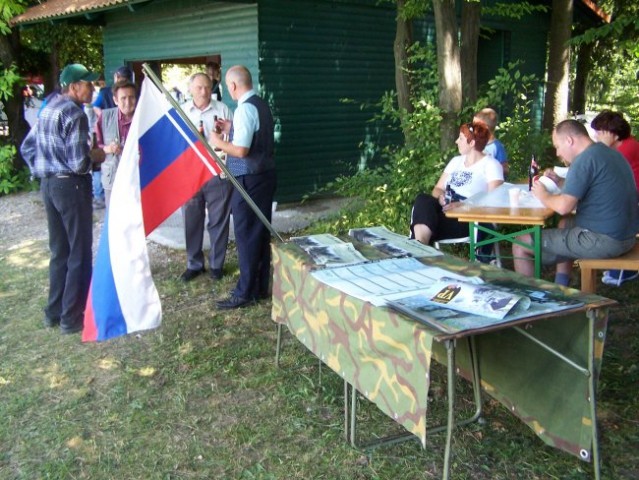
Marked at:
<point>65,175</point>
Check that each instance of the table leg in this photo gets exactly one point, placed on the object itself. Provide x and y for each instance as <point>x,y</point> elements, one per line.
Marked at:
<point>537,250</point>
<point>471,240</point>
<point>592,390</point>
<point>346,429</point>
<point>450,350</point>
<point>278,345</point>
<point>588,279</point>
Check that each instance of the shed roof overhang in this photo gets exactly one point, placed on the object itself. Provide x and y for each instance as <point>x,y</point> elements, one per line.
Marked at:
<point>54,10</point>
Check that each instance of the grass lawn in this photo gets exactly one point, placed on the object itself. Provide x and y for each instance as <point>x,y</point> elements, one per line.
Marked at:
<point>201,398</point>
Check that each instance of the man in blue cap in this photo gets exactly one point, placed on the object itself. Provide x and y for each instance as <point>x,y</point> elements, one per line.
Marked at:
<point>58,153</point>
<point>105,95</point>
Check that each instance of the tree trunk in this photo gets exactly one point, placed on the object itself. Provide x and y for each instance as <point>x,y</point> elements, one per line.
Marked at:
<point>470,21</point>
<point>557,87</point>
<point>14,106</point>
<point>403,40</point>
<point>584,64</point>
<point>449,68</point>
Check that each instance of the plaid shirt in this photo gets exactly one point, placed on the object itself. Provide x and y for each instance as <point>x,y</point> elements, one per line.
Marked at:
<point>58,143</point>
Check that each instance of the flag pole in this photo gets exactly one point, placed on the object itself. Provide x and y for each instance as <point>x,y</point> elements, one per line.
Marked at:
<point>158,83</point>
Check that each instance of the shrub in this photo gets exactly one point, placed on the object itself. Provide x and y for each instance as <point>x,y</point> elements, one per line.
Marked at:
<point>12,179</point>
<point>386,193</point>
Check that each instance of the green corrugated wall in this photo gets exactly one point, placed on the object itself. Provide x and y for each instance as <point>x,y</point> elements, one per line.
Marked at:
<point>316,62</point>
<point>313,54</point>
<point>185,28</point>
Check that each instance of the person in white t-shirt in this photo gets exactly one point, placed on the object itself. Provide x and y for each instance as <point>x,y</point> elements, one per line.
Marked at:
<point>467,174</point>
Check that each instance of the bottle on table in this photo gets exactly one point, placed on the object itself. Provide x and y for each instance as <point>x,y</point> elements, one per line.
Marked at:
<point>533,171</point>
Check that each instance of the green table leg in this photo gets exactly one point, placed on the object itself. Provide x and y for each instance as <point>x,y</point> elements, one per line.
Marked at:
<point>497,236</point>
<point>537,250</point>
<point>471,237</point>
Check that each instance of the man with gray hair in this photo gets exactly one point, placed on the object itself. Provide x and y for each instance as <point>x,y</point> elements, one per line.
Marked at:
<point>58,153</point>
<point>214,196</point>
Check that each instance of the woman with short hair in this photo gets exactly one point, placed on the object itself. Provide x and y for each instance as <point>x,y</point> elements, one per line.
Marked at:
<point>467,174</point>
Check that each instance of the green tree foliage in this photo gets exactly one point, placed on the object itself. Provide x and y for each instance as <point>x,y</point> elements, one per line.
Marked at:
<point>70,43</point>
<point>43,45</point>
<point>386,193</point>
<point>11,178</point>
<point>612,81</point>
<point>8,10</point>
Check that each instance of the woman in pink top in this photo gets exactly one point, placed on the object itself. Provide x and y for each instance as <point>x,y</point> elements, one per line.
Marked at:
<point>613,130</point>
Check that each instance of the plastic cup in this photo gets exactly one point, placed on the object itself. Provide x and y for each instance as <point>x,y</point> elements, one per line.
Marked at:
<point>513,196</point>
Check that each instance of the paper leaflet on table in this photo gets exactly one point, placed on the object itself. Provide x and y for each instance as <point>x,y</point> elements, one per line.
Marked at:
<point>162,166</point>
<point>377,281</point>
<point>499,197</point>
<point>391,243</point>
<point>328,250</point>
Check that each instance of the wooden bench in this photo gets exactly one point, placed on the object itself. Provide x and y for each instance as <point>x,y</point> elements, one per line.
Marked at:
<point>589,267</point>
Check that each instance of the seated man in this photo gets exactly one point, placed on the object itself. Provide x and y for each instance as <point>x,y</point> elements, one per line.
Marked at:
<point>601,187</point>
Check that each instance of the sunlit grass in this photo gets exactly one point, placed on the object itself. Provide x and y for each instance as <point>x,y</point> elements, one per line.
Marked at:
<point>201,398</point>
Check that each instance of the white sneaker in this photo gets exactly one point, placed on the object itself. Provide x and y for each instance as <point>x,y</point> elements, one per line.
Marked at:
<point>616,281</point>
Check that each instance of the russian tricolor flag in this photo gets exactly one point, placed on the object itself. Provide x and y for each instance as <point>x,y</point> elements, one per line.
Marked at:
<point>162,166</point>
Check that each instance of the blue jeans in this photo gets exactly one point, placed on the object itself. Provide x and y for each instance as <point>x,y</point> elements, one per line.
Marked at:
<point>98,191</point>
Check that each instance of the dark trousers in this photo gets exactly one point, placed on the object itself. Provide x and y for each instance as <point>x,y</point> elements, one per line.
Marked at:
<point>215,196</point>
<point>69,216</point>
<point>428,211</point>
<point>252,238</point>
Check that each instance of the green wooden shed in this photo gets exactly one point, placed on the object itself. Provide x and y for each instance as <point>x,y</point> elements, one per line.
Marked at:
<point>316,61</point>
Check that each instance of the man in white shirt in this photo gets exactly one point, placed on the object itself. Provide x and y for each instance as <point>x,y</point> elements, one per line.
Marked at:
<point>215,195</point>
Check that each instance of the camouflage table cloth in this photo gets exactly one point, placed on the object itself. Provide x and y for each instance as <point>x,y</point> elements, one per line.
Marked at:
<point>386,356</point>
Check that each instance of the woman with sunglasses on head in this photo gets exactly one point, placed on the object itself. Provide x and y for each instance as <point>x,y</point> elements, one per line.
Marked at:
<point>467,174</point>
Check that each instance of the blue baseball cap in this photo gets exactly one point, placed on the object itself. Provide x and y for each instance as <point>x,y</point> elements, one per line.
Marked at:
<point>125,72</point>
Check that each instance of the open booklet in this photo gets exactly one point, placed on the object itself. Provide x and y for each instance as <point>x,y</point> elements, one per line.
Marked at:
<point>483,299</point>
<point>391,243</point>
<point>492,304</point>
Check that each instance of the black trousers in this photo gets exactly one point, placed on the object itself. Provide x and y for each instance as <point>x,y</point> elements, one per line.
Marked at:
<point>252,238</point>
<point>69,216</point>
<point>428,211</point>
